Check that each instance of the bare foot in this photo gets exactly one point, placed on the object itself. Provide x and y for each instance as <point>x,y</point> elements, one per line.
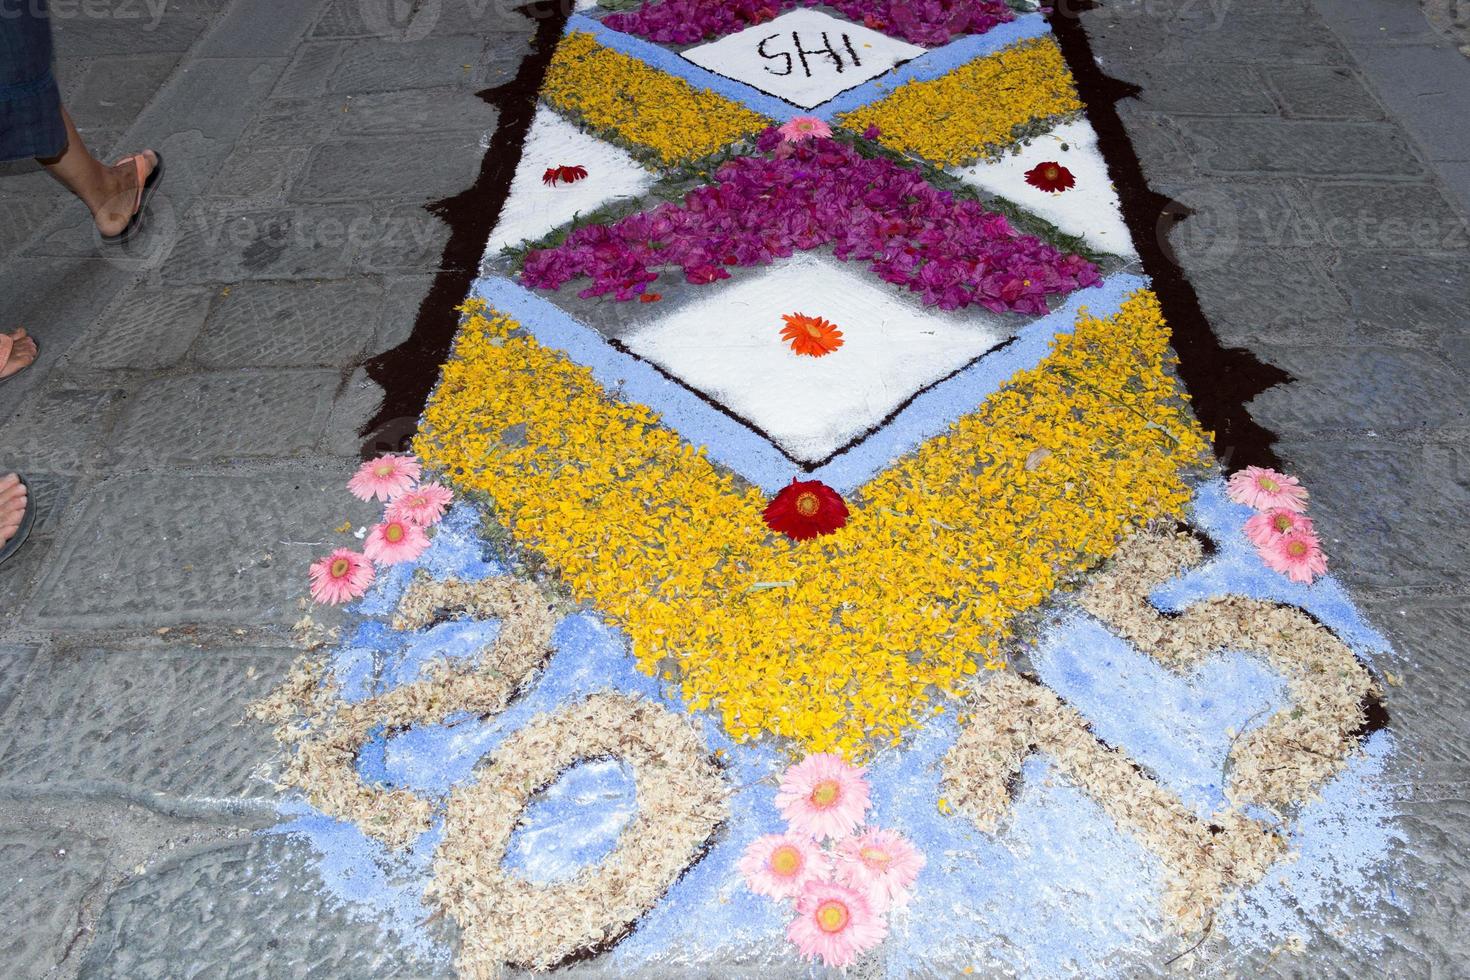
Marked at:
<point>12,506</point>
<point>117,207</point>
<point>17,351</point>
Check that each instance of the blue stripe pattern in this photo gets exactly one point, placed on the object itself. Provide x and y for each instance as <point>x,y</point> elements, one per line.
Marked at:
<point>740,448</point>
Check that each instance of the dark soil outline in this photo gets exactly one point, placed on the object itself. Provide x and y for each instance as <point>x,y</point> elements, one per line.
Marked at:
<point>407,373</point>
<point>1220,380</point>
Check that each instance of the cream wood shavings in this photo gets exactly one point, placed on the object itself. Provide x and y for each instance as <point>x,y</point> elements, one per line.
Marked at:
<point>324,765</point>
<point>1285,760</point>
<point>1010,717</point>
<point>505,919</point>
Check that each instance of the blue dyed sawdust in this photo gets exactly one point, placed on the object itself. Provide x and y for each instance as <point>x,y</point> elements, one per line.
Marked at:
<point>1060,890</point>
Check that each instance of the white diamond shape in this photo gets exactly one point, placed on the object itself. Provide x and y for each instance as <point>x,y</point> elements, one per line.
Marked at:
<point>534,208</point>
<point>1090,209</point>
<point>805,57</point>
<point>728,347</point>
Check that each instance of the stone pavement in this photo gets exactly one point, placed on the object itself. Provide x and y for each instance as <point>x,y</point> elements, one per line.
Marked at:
<point>196,406</point>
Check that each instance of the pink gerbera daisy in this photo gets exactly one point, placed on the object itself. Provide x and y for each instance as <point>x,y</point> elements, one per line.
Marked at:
<point>424,505</point>
<point>803,127</point>
<point>881,863</point>
<point>823,796</point>
<point>1297,555</point>
<point>384,478</point>
<point>1264,489</point>
<point>394,541</point>
<point>835,923</point>
<point>780,865</point>
<point>342,575</point>
<point>1266,527</point>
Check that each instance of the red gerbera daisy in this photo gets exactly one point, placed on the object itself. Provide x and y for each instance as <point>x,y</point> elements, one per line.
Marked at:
<point>1051,177</point>
<point>564,174</point>
<point>806,509</point>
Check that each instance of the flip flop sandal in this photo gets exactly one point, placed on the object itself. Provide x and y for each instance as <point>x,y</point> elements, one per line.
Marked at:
<point>146,187</point>
<point>26,522</point>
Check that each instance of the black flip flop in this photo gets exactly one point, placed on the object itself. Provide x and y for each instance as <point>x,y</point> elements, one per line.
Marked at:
<point>26,522</point>
<point>145,193</point>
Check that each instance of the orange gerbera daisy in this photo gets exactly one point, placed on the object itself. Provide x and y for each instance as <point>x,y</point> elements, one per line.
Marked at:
<point>811,335</point>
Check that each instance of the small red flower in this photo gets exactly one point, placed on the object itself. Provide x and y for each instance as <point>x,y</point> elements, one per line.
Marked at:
<point>650,297</point>
<point>1051,177</point>
<point>567,175</point>
<point>806,509</point>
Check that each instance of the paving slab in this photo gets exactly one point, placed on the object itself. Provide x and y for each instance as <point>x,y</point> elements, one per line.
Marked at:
<point>124,27</point>
<point>251,908</point>
<point>404,238</point>
<point>143,723</point>
<point>15,664</point>
<point>20,218</point>
<point>1306,147</point>
<point>358,169</point>
<point>259,29</point>
<point>1189,32</point>
<point>166,548</point>
<point>428,110</point>
<point>59,429</point>
<point>56,300</point>
<point>1382,508</point>
<point>18,578</point>
<point>225,415</point>
<point>1426,292</point>
<point>1386,216</point>
<point>1250,290</point>
<point>48,874</point>
<point>256,177</point>
<point>355,405</point>
<point>114,89</point>
<point>1321,92</point>
<point>1159,140</point>
<point>1226,218</point>
<point>288,324</point>
<point>438,18</point>
<point>385,66</point>
<point>221,245</point>
<point>1431,709</point>
<point>145,327</point>
<point>309,70</point>
<point>1393,390</point>
<point>295,121</point>
<point>1203,89</point>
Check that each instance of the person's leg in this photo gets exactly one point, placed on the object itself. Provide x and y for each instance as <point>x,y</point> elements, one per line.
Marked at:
<point>109,192</point>
<point>12,506</point>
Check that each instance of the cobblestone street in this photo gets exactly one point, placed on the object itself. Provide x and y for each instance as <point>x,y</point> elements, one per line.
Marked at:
<point>200,397</point>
